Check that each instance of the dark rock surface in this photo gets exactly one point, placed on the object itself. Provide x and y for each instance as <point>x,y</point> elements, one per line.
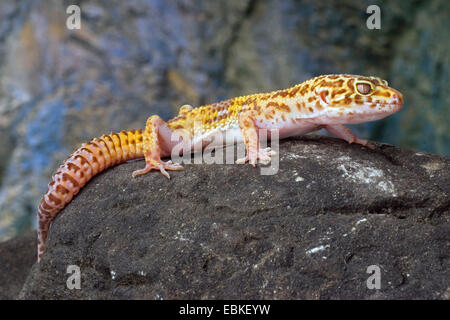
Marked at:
<point>132,59</point>
<point>16,259</point>
<point>226,232</point>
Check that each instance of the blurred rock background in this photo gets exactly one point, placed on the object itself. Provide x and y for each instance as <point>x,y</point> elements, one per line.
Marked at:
<point>131,59</point>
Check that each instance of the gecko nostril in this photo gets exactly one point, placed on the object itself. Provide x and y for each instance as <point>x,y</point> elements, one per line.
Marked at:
<point>396,97</point>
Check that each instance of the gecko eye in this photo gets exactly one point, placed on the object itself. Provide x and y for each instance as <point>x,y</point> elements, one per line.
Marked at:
<point>363,88</point>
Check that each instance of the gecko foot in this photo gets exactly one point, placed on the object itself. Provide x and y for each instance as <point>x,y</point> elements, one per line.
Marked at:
<point>264,155</point>
<point>158,165</point>
<point>364,143</point>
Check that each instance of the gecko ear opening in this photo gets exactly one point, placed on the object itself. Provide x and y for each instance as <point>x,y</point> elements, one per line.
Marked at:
<point>323,96</point>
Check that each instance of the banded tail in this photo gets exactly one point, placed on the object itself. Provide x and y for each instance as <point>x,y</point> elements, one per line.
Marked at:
<point>90,159</point>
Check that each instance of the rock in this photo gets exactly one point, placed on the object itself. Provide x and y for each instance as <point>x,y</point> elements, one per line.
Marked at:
<point>16,259</point>
<point>132,59</point>
<point>227,232</point>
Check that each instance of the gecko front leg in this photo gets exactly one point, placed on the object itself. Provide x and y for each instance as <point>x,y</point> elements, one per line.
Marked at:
<point>345,133</point>
<point>249,129</point>
<point>157,143</point>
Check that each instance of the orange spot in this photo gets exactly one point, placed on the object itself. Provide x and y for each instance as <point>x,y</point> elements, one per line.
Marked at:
<point>282,93</point>
<point>304,89</point>
<point>86,150</point>
<point>318,106</point>
<point>350,84</point>
<point>45,205</point>
<point>294,91</point>
<point>61,189</point>
<point>54,199</point>
<point>284,107</point>
<point>73,167</point>
<point>323,95</point>
<point>67,176</point>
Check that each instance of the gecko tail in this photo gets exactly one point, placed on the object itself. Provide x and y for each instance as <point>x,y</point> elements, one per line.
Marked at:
<point>87,161</point>
<point>43,226</point>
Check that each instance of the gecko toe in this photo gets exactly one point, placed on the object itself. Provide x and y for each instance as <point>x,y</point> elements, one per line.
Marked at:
<point>159,165</point>
<point>242,160</point>
<point>163,171</point>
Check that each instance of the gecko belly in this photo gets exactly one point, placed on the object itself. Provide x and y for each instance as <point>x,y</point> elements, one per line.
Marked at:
<point>290,127</point>
<point>216,138</point>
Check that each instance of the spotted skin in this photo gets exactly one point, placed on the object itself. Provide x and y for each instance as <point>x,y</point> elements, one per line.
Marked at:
<point>87,161</point>
<point>328,101</point>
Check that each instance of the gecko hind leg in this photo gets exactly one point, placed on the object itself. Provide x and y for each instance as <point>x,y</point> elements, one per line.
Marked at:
<point>157,143</point>
<point>345,133</point>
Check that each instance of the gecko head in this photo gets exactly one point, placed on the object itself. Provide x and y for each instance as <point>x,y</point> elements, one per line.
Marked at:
<point>356,99</point>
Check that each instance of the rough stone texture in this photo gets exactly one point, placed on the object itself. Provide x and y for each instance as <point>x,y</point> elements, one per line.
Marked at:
<point>16,259</point>
<point>132,59</point>
<point>226,232</point>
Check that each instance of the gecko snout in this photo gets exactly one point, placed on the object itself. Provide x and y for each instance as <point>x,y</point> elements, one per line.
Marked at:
<point>397,100</point>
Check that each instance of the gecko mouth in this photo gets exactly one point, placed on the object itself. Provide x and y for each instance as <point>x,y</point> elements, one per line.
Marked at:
<point>363,112</point>
<point>368,105</point>
<point>383,105</point>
